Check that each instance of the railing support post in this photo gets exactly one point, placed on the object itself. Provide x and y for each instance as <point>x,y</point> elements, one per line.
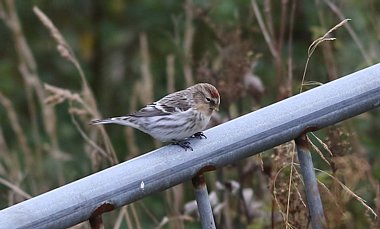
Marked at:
<point>203,202</point>
<point>314,202</point>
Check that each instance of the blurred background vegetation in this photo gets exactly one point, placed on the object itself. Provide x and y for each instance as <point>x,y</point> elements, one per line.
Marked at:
<point>109,58</point>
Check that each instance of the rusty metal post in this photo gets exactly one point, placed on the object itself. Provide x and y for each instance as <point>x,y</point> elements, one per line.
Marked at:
<point>95,220</point>
<point>203,202</point>
<point>314,202</point>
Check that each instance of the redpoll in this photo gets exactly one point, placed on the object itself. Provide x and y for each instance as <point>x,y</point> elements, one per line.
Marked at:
<point>175,117</point>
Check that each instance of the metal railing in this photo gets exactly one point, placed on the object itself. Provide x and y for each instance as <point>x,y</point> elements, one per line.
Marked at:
<point>225,144</point>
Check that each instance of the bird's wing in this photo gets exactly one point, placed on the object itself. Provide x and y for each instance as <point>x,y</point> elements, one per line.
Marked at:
<point>177,102</point>
<point>172,103</point>
<point>150,110</point>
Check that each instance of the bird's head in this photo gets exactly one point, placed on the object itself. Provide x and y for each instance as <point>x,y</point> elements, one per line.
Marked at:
<point>206,98</point>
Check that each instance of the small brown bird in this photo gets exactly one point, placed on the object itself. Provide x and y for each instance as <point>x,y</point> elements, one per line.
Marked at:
<point>175,117</point>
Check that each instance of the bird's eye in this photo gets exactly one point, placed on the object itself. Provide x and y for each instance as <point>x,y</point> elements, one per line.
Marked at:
<point>208,99</point>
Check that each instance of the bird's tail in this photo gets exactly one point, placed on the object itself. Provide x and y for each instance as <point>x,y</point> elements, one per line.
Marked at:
<point>124,120</point>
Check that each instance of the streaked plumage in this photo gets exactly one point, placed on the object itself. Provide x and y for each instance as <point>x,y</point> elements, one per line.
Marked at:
<point>176,116</point>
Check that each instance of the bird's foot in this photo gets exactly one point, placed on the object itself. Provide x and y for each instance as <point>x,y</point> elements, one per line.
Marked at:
<point>183,144</point>
<point>199,135</point>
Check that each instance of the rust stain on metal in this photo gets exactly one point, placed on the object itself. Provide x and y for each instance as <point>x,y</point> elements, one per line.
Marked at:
<point>302,141</point>
<point>309,129</point>
<point>105,207</point>
<point>96,217</point>
<point>96,222</point>
<point>198,180</point>
<point>206,168</point>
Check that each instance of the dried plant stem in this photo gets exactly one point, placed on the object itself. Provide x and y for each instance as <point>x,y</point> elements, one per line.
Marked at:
<point>15,124</point>
<point>128,217</point>
<point>327,48</point>
<point>290,187</point>
<point>135,216</point>
<point>284,215</point>
<point>148,212</point>
<point>351,31</point>
<point>275,45</point>
<point>130,136</point>
<point>247,213</point>
<point>15,188</point>
<point>289,82</point>
<point>298,176</point>
<point>62,46</point>
<point>146,86</point>
<point>188,43</point>
<point>92,143</point>
<point>283,22</point>
<point>268,18</point>
<point>227,217</point>
<point>264,30</point>
<point>166,220</point>
<point>146,91</point>
<point>319,152</point>
<point>28,70</point>
<point>65,51</point>
<point>89,100</point>
<point>315,44</point>
<point>119,218</point>
<point>358,198</point>
<point>58,96</point>
<point>178,199</point>
<point>20,136</point>
<point>323,144</point>
<point>349,191</point>
<point>170,71</point>
<point>4,150</point>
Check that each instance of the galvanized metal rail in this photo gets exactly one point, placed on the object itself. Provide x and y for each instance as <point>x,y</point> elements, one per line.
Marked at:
<point>227,143</point>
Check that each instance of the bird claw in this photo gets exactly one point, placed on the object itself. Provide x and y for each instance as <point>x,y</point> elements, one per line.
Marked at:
<point>186,144</point>
<point>199,135</point>
<point>183,144</point>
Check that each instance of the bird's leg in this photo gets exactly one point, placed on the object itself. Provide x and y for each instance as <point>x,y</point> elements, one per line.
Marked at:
<point>199,135</point>
<point>183,144</point>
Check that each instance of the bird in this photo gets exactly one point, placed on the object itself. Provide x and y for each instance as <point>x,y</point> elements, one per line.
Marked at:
<point>176,117</point>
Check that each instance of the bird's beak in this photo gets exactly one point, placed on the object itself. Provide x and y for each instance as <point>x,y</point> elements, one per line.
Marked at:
<point>214,108</point>
<point>214,105</point>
